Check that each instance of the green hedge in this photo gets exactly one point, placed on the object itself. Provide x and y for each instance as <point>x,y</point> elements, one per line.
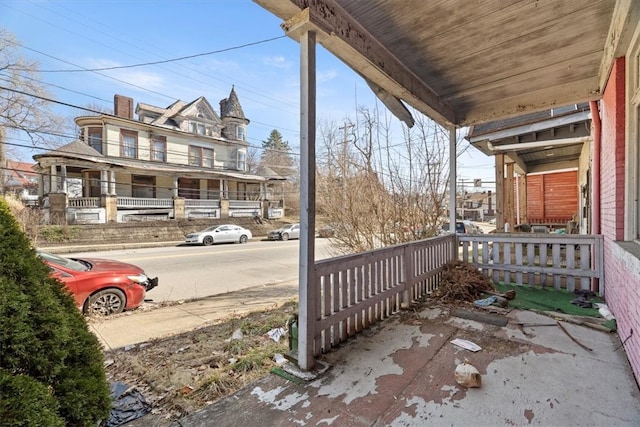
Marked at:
<point>51,365</point>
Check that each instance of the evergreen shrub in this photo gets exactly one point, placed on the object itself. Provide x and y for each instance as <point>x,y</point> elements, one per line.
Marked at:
<point>51,365</point>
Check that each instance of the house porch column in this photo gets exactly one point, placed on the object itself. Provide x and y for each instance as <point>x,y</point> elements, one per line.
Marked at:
<point>112,183</point>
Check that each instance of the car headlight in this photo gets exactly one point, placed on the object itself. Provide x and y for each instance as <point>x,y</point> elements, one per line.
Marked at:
<point>138,278</point>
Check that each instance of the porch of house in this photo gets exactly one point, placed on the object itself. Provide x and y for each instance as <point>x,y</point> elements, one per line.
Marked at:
<point>354,292</point>
<point>400,371</point>
<point>59,207</point>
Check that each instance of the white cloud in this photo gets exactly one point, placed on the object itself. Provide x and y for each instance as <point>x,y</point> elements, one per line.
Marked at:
<point>133,76</point>
<point>278,61</point>
<point>326,76</point>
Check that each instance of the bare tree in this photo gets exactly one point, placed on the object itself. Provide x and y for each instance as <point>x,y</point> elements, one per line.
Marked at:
<point>383,189</point>
<point>24,108</point>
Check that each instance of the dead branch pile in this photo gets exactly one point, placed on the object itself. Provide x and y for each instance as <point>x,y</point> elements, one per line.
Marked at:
<point>461,282</point>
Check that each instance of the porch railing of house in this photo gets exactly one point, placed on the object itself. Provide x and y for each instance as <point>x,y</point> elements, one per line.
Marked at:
<point>567,261</point>
<point>355,291</point>
<point>201,203</point>
<point>143,203</point>
<point>84,202</point>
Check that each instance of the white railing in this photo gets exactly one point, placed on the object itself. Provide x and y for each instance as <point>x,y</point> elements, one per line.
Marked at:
<point>140,202</point>
<point>245,204</point>
<point>84,202</point>
<point>568,261</point>
<point>201,203</point>
<point>355,291</point>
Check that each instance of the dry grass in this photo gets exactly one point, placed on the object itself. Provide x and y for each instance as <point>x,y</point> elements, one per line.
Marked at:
<point>181,374</point>
<point>461,282</point>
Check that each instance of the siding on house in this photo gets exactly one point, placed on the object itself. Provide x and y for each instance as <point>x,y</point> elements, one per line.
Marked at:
<point>552,197</point>
<point>622,267</point>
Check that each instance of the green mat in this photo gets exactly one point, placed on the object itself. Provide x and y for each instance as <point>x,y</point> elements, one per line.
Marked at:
<point>552,300</point>
<point>547,299</point>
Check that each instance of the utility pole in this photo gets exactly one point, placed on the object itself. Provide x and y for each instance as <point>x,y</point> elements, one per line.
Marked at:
<point>343,161</point>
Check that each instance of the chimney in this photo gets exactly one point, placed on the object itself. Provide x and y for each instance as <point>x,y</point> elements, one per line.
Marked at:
<point>123,106</point>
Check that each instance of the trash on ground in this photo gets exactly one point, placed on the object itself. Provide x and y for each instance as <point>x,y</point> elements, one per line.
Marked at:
<point>467,375</point>
<point>466,344</point>
<point>485,302</point>
<point>276,333</point>
<point>583,298</point>
<point>237,335</point>
<point>279,359</point>
<point>604,311</point>
<point>128,405</point>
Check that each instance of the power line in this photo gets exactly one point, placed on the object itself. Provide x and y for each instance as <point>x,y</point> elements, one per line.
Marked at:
<point>165,61</point>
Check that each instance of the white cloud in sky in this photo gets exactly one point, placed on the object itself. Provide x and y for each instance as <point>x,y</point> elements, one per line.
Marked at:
<point>277,61</point>
<point>132,76</point>
<point>326,76</point>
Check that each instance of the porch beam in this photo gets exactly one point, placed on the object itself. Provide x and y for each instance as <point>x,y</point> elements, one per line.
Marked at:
<point>339,33</point>
<point>521,166</point>
<point>626,15</point>
<point>307,285</point>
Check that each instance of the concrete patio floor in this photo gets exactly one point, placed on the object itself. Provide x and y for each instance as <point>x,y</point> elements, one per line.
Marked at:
<point>401,373</point>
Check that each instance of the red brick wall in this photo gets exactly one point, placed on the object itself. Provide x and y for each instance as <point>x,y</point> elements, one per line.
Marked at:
<point>622,269</point>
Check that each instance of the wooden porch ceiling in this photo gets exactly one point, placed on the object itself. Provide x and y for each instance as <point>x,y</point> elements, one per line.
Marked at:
<point>471,62</point>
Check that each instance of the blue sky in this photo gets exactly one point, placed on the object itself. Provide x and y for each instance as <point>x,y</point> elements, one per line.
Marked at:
<point>75,34</point>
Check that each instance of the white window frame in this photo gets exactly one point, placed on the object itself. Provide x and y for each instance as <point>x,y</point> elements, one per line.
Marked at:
<point>129,144</point>
<point>156,154</point>
<point>241,160</point>
<point>632,167</point>
<point>201,156</point>
<point>241,133</point>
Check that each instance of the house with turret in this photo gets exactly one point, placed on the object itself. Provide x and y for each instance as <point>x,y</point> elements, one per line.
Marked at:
<point>182,161</point>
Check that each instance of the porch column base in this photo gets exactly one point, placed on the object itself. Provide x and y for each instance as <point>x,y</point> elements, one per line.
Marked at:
<point>224,208</point>
<point>58,203</point>
<point>110,204</point>
<point>179,208</point>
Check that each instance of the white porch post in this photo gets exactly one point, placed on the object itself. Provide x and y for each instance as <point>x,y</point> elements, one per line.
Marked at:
<point>307,285</point>
<point>112,183</point>
<point>175,187</point>
<point>63,178</point>
<point>53,181</point>
<point>453,177</point>
<point>104,189</point>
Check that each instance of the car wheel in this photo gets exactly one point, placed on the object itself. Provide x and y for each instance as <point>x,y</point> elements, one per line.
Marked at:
<point>105,302</point>
<point>207,241</point>
<point>285,236</point>
<point>243,239</point>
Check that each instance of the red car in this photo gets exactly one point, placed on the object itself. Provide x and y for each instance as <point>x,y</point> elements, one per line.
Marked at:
<point>101,286</point>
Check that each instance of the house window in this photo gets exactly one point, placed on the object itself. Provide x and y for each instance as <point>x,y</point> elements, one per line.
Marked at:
<point>143,186</point>
<point>159,149</point>
<point>242,160</point>
<point>95,139</point>
<point>201,129</point>
<point>129,144</point>
<point>193,126</point>
<point>200,156</point>
<point>240,133</point>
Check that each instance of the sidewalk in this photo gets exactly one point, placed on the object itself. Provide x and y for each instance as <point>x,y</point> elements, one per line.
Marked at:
<point>152,321</point>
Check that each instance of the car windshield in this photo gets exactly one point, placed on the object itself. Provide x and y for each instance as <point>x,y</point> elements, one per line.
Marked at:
<point>69,263</point>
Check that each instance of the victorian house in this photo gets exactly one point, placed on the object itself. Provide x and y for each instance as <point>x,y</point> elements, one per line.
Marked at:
<point>177,162</point>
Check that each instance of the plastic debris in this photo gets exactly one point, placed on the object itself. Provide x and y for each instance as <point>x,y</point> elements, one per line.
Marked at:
<point>276,333</point>
<point>604,311</point>
<point>237,335</point>
<point>467,375</point>
<point>128,405</point>
<point>467,345</point>
<point>279,359</point>
<point>486,302</point>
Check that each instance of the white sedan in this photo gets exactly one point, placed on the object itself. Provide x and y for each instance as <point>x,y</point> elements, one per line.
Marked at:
<point>227,233</point>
